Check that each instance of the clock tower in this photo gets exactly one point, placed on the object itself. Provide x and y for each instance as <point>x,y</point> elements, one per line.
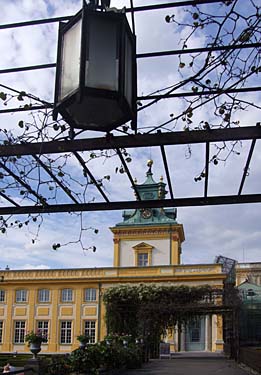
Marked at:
<point>150,236</point>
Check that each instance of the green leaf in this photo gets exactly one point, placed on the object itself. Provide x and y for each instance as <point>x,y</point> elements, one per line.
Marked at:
<point>56,246</point>
<point>3,95</point>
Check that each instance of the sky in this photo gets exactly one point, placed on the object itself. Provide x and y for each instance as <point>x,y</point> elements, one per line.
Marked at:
<point>232,231</point>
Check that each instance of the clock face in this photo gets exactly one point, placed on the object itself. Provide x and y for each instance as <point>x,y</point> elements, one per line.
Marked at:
<point>146,214</point>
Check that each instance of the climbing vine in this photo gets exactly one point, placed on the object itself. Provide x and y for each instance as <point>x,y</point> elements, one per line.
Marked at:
<point>143,310</point>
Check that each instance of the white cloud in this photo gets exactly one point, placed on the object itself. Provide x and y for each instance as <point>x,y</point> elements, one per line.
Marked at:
<point>229,230</point>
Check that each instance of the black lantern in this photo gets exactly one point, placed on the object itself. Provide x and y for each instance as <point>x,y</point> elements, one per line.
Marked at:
<point>96,79</point>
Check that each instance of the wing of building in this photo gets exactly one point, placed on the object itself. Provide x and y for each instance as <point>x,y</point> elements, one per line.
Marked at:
<point>63,303</point>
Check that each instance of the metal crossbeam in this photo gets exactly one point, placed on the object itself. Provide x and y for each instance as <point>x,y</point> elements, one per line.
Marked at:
<point>9,199</point>
<point>58,182</point>
<point>131,205</point>
<point>24,184</point>
<point>126,169</point>
<point>206,170</point>
<point>92,178</point>
<point>133,141</point>
<point>164,158</point>
<point>247,166</point>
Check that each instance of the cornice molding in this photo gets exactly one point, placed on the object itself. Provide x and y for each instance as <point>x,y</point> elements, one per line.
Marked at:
<point>153,231</point>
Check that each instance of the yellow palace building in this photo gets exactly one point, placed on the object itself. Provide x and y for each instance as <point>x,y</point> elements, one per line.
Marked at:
<point>64,303</point>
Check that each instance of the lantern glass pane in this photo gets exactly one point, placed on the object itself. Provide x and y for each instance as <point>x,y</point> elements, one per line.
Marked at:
<point>70,70</point>
<point>128,70</point>
<point>102,63</point>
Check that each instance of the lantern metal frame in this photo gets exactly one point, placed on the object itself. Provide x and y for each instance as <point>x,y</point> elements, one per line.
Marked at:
<point>79,148</point>
<point>77,95</point>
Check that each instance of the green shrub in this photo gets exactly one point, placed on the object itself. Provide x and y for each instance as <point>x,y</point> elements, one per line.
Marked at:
<point>108,355</point>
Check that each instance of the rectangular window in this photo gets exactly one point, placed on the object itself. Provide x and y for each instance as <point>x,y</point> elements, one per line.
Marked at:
<point>1,331</point>
<point>66,332</point>
<point>143,259</point>
<point>21,295</point>
<point>19,332</point>
<point>90,330</point>
<point>43,327</point>
<point>2,296</point>
<point>90,294</point>
<point>43,295</point>
<point>67,295</point>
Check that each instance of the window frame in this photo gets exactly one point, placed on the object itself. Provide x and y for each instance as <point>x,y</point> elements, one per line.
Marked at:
<point>1,331</point>
<point>143,248</point>
<point>65,294</point>
<point>143,259</point>
<point>90,294</point>
<point>90,331</point>
<point>65,330</point>
<point>24,295</point>
<point>2,295</point>
<point>42,298</point>
<point>19,331</point>
<point>43,330</point>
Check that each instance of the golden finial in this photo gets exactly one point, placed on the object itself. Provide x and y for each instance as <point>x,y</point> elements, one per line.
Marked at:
<point>149,164</point>
<point>161,178</point>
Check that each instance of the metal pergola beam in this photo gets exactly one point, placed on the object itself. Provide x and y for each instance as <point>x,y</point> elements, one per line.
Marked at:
<point>175,4</point>
<point>144,55</point>
<point>126,205</point>
<point>24,184</point>
<point>133,141</point>
<point>165,162</point>
<point>206,170</point>
<point>10,200</point>
<point>250,154</point>
<point>200,93</point>
<point>90,175</point>
<point>56,180</point>
<point>126,169</point>
<point>150,97</point>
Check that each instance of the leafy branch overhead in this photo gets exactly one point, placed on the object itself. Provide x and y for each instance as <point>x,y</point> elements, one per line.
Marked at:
<point>218,77</point>
<point>141,310</point>
<point>215,69</point>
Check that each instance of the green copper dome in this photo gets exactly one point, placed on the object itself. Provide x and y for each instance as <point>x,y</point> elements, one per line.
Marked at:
<point>150,190</point>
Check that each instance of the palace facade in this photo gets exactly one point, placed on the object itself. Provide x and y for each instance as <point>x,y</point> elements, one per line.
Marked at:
<point>64,303</point>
